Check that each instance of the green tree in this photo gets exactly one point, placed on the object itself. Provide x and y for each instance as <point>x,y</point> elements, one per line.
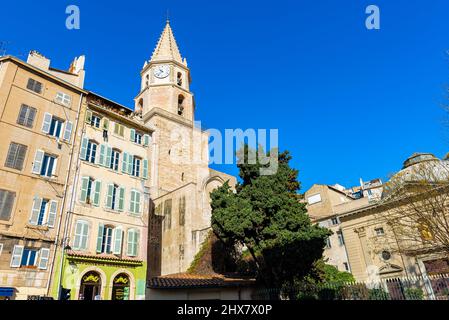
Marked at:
<point>266,216</point>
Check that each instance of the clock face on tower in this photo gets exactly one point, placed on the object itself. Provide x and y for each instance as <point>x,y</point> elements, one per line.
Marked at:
<point>161,71</point>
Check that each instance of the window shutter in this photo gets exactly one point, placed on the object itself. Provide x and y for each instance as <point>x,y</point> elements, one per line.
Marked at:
<point>122,131</point>
<point>55,165</point>
<point>137,203</point>
<point>88,116</point>
<point>78,235</point>
<point>97,190</point>
<point>130,240</point>
<point>68,131</point>
<point>130,163</point>
<point>109,196</point>
<point>145,169</point>
<point>6,204</point>
<point>85,236</point>
<point>84,184</point>
<point>37,164</point>
<point>133,135</point>
<point>146,140</point>
<point>47,122</point>
<point>125,162</point>
<point>132,201</point>
<point>83,151</point>
<point>44,254</point>
<point>52,213</point>
<point>37,202</point>
<point>101,158</point>
<point>118,235</point>
<point>100,237</point>
<point>105,124</point>
<point>121,201</point>
<point>136,242</point>
<point>108,156</point>
<point>16,256</point>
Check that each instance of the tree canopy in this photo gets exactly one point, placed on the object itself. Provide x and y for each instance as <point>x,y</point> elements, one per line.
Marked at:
<point>266,217</point>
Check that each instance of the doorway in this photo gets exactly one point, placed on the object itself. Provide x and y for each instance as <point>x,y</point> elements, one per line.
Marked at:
<point>90,288</point>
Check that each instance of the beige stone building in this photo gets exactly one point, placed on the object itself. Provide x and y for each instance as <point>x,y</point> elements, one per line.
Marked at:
<point>38,116</point>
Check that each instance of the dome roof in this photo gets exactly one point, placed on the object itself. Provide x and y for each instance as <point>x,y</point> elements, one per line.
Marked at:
<point>419,158</point>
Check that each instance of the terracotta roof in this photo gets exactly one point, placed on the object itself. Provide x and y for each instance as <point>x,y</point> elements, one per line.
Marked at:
<point>186,280</point>
<point>101,257</point>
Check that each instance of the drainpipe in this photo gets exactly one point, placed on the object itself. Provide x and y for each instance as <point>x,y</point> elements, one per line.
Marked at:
<point>58,237</point>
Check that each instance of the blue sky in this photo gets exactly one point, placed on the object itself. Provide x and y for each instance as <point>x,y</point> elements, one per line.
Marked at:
<point>348,102</point>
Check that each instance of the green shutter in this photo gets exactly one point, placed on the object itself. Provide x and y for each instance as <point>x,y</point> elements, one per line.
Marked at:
<point>108,156</point>
<point>137,203</point>
<point>100,237</point>
<point>132,201</point>
<point>101,160</point>
<point>84,183</point>
<point>125,162</point>
<point>88,116</point>
<point>96,200</point>
<point>109,196</point>
<point>146,140</point>
<point>105,124</point>
<point>145,169</point>
<point>136,242</point>
<point>83,148</point>
<point>132,135</point>
<point>130,163</point>
<point>121,199</point>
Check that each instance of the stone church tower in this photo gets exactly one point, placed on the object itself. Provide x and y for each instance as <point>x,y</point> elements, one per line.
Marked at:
<point>181,179</point>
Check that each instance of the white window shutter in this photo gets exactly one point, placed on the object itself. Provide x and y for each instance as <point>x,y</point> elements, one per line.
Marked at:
<point>16,256</point>
<point>78,235</point>
<point>83,151</point>
<point>85,236</point>
<point>145,169</point>
<point>130,163</point>
<point>44,256</point>
<point>84,183</point>
<point>100,237</point>
<point>68,131</point>
<point>121,199</point>
<point>133,135</point>
<point>109,196</point>
<point>125,162</point>
<point>132,201</point>
<point>37,164</point>
<point>36,208</point>
<point>108,156</point>
<point>97,190</point>
<point>47,122</point>
<point>52,213</point>
<point>55,165</point>
<point>101,158</point>
<point>146,140</point>
<point>118,235</point>
<point>130,240</point>
<point>137,203</point>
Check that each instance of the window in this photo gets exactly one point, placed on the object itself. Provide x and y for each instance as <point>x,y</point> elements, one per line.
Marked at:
<point>28,257</point>
<point>314,199</point>
<point>136,167</point>
<point>335,221</point>
<point>90,191</point>
<point>106,242</point>
<point>379,231</point>
<point>341,240</point>
<point>167,214</point>
<point>179,79</point>
<point>386,255</point>
<point>6,203</point>
<point>370,192</point>
<point>134,205</point>
<point>52,125</point>
<point>63,98</point>
<point>115,197</point>
<point>43,212</point>
<point>95,121</point>
<point>81,235</point>
<point>346,266</point>
<point>34,85</point>
<point>133,242</point>
<point>48,165</point>
<point>328,243</point>
<point>115,157</point>
<point>16,156</point>
<point>26,116</point>
<point>119,129</point>
<point>91,151</point>
<point>180,105</point>
<point>182,210</point>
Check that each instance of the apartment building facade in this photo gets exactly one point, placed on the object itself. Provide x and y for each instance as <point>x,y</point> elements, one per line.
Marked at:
<point>38,115</point>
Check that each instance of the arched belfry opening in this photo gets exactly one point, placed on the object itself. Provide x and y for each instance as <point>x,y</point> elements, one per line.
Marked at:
<point>181,105</point>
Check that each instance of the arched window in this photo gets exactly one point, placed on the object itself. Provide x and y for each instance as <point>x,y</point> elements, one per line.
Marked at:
<point>180,105</point>
<point>120,287</point>
<point>90,288</point>
<point>179,79</point>
<point>147,80</point>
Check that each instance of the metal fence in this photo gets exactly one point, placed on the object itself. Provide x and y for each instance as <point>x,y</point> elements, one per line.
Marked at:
<point>435,287</point>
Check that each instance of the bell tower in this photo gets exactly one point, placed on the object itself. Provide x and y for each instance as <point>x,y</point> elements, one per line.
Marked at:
<point>165,82</point>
